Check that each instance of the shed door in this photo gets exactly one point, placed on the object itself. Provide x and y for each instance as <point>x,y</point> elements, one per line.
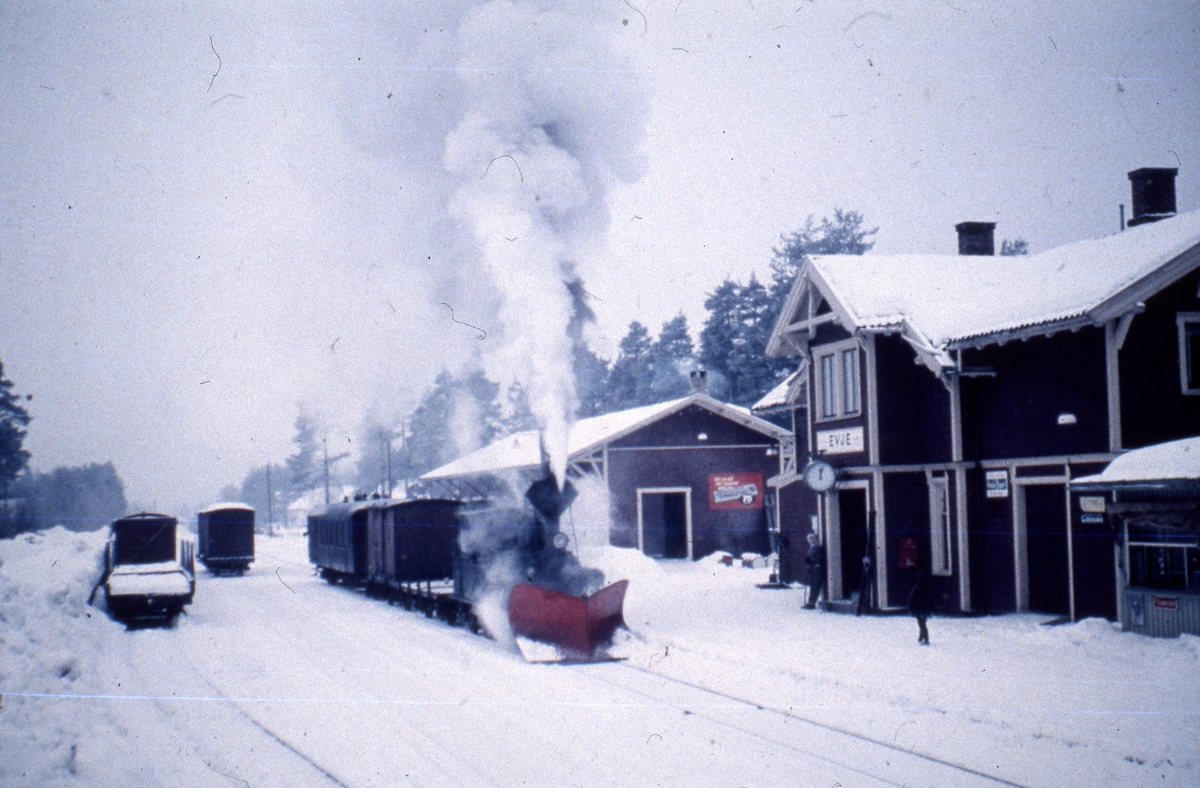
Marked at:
<point>1046,535</point>
<point>664,524</point>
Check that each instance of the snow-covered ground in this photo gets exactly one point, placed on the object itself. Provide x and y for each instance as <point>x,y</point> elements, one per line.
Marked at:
<point>278,678</point>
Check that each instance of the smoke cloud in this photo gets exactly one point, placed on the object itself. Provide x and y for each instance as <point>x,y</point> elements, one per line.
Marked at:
<point>553,118</point>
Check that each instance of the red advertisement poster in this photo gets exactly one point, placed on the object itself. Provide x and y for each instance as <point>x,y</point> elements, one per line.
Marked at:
<point>735,491</point>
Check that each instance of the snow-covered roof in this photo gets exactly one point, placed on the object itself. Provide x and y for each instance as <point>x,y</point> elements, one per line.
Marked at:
<point>941,302</point>
<point>1176,461</point>
<point>787,394</point>
<point>218,507</point>
<point>587,436</point>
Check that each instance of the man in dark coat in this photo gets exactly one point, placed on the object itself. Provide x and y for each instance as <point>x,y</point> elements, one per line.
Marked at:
<point>920,604</point>
<point>816,570</point>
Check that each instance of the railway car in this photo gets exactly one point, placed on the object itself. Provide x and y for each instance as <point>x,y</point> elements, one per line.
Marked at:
<point>226,538</point>
<point>337,541</point>
<point>147,576</point>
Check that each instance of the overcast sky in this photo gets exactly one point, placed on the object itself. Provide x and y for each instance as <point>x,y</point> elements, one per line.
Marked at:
<point>215,213</point>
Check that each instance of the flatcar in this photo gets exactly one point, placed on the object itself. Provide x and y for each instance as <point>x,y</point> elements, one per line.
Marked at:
<point>226,538</point>
<point>147,576</point>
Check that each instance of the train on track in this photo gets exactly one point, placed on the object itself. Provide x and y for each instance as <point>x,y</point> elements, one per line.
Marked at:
<point>444,556</point>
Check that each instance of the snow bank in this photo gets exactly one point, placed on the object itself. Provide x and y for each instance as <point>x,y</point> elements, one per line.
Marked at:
<point>50,641</point>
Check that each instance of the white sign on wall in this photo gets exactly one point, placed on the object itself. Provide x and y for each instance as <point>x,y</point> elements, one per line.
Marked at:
<point>997,484</point>
<point>844,441</point>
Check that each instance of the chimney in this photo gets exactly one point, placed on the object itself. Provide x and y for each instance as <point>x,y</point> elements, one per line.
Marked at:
<point>1153,194</point>
<point>699,379</point>
<point>976,238</point>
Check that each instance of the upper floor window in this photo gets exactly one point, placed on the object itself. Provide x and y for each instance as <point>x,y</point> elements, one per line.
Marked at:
<point>838,385</point>
<point>1189,351</point>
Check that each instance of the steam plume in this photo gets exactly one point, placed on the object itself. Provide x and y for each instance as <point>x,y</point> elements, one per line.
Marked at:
<point>552,120</point>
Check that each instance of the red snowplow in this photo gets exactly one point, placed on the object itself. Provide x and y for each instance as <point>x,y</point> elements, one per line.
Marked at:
<point>578,626</point>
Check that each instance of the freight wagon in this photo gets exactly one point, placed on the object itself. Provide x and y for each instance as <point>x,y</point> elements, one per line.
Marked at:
<point>147,576</point>
<point>226,538</point>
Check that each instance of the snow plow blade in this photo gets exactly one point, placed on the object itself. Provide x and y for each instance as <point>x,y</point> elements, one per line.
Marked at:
<point>577,625</point>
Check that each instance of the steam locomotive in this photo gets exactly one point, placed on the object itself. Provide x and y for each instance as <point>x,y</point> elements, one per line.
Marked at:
<point>442,556</point>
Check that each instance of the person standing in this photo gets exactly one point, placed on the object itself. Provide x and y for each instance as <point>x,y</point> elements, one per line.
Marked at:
<point>816,570</point>
<point>920,604</point>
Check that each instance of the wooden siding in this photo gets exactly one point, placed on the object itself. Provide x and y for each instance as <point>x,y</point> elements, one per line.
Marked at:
<point>914,407</point>
<point>1015,414</point>
<point>1153,407</point>
<point>907,500</point>
<point>734,531</point>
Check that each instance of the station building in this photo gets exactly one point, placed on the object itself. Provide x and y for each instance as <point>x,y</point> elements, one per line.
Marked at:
<point>957,397</point>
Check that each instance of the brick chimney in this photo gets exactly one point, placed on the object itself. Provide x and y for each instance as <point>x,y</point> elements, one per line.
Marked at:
<point>1153,194</point>
<point>699,379</point>
<point>976,238</point>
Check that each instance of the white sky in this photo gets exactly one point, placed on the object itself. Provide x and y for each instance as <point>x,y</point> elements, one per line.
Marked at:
<point>185,257</point>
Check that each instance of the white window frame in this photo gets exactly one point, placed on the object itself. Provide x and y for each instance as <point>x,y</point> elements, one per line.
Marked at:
<point>845,396</point>
<point>1182,320</point>
<point>941,558</point>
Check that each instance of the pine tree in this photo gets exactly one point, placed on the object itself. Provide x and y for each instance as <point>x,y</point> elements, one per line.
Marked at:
<point>13,421</point>
<point>671,360</point>
<point>630,377</point>
<point>304,466</point>
<point>454,417</point>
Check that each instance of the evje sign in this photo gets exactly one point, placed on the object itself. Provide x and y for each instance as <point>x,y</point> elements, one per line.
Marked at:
<point>846,441</point>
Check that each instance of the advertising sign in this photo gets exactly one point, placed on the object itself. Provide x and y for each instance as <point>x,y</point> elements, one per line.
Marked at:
<point>908,553</point>
<point>1166,602</point>
<point>845,441</point>
<point>735,491</point>
<point>997,484</point>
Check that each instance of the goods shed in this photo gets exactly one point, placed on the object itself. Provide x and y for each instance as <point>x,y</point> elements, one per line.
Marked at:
<point>685,477</point>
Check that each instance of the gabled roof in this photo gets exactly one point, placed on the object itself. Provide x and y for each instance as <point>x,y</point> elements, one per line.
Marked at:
<point>789,394</point>
<point>587,436</point>
<point>1176,461</point>
<point>942,302</point>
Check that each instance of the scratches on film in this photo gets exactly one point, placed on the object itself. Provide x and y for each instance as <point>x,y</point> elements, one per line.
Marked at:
<point>498,158</point>
<point>220,63</point>
<point>645,22</point>
<point>285,585</point>
<point>480,334</point>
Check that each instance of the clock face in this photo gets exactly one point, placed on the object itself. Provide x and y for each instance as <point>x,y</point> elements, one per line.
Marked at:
<point>820,476</point>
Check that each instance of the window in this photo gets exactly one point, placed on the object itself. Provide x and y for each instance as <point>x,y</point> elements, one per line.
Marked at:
<point>1188,324</point>
<point>1163,559</point>
<point>939,525</point>
<point>828,387</point>
<point>839,387</point>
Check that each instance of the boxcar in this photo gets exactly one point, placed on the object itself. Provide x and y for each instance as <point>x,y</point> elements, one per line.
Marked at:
<point>144,577</point>
<point>226,537</point>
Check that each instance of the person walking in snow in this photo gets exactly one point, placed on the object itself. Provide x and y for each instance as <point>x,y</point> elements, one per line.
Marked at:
<point>920,604</point>
<point>816,570</point>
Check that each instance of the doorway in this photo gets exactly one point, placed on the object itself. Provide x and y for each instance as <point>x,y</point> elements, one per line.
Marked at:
<point>664,523</point>
<point>1045,512</point>
<point>852,522</point>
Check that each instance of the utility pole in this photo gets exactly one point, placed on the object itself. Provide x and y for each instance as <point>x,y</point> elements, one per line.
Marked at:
<point>325,446</point>
<point>387,445</point>
<point>270,500</point>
